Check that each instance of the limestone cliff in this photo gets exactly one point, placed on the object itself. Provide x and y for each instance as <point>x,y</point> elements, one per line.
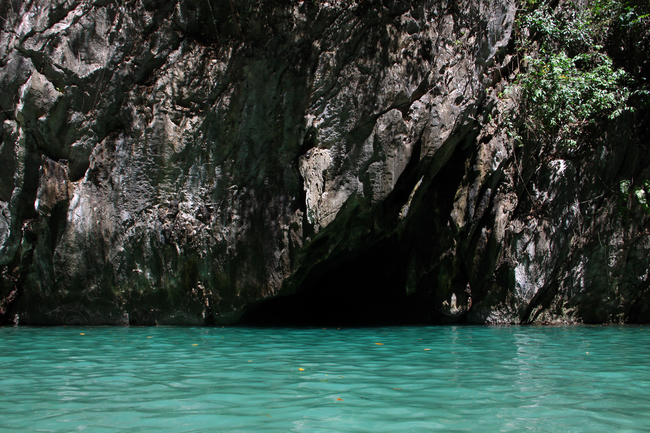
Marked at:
<point>184,161</point>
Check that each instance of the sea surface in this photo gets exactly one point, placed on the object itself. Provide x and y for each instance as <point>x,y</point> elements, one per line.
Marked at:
<point>410,379</point>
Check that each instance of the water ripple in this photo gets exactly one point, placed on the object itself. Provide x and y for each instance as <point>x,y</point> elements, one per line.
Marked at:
<point>419,379</point>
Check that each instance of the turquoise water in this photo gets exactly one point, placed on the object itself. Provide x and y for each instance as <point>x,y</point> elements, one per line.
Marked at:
<point>419,379</point>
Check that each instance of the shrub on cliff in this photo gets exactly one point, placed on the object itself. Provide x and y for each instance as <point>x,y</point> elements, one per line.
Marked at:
<point>570,83</point>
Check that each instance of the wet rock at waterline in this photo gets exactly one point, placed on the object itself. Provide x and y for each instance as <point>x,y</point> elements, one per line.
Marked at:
<point>192,162</point>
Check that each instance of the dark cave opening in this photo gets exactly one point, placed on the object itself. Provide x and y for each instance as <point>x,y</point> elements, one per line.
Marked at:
<point>367,285</point>
<point>365,288</point>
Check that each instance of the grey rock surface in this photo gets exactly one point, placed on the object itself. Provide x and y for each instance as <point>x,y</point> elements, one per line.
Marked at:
<point>185,162</point>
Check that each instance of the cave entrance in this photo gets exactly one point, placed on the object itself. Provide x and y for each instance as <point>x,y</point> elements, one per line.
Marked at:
<point>363,288</point>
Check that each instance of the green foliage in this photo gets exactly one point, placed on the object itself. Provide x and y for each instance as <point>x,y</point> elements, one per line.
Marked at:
<point>639,192</point>
<point>569,82</point>
<point>564,94</point>
<point>572,29</point>
<point>624,13</point>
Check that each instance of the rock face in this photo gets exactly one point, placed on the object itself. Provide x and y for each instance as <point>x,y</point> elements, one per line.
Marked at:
<point>187,161</point>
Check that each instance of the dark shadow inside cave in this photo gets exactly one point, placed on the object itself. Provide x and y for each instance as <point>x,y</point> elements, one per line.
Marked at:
<point>365,288</point>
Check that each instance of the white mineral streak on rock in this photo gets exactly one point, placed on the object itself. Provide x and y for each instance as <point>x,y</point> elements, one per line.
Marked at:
<point>505,206</point>
<point>312,166</point>
<point>538,245</point>
<point>5,221</point>
<point>79,213</point>
<point>393,149</point>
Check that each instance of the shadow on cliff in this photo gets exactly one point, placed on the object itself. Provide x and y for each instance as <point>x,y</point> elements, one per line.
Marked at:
<point>354,288</point>
<point>363,280</point>
<point>360,288</point>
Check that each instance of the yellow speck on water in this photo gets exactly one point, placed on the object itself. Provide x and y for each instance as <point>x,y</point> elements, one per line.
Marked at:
<point>149,337</point>
<point>250,361</point>
<point>194,344</point>
<point>427,349</point>
<point>587,353</point>
<point>379,344</point>
<point>301,369</point>
<point>81,333</point>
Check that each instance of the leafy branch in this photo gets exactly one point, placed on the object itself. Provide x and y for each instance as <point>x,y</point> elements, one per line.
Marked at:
<point>569,84</point>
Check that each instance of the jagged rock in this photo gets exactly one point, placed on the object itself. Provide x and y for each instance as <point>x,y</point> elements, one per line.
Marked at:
<point>181,162</point>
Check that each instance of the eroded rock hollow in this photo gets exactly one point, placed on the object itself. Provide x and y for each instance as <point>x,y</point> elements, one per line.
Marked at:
<point>297,162</point>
